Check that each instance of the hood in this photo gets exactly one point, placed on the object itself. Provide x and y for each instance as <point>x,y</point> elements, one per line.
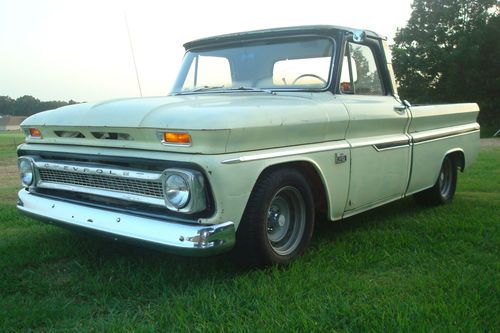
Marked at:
<point>218,123</point>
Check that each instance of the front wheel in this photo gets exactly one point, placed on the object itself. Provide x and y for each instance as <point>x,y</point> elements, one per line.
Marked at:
<point>278,221</point>
<point>443,190</point>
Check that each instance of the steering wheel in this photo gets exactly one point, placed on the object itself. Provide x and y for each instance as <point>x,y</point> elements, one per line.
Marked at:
<point>312,75</point>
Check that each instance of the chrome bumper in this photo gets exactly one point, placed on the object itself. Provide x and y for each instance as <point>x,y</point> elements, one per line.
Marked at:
<point>171,236</point>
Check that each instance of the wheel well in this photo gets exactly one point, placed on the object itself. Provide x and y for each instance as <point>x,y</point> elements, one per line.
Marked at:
<point>459,158</point>
<point>312,175</point>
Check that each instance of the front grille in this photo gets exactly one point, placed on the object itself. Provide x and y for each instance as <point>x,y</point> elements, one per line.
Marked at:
<point>117,184</point>
<point>137,182</point>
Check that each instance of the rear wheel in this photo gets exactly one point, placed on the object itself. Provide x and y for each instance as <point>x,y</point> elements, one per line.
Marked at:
<point>278,221</point>
<point>444,189</point>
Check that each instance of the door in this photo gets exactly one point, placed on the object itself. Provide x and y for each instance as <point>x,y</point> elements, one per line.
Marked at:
<point>380,150</point>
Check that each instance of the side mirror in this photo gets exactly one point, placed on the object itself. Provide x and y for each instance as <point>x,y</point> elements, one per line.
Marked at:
<point>358,36</point>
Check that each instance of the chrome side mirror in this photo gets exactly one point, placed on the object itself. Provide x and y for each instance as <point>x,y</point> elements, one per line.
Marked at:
<point>358,36</point>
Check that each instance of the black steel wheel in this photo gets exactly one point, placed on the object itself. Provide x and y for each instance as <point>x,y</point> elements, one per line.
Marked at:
<point>278,221</point>
<point>443,190</point>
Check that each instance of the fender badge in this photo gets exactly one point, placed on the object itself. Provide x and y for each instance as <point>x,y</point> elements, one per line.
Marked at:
<point>340,158</point>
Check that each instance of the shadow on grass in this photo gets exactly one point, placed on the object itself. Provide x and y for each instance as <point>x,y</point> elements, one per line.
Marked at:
<point>328,230</point>
<point>96,255</point>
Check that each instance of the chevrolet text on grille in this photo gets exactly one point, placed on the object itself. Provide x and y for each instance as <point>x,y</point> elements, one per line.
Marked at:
<point>99,170</point>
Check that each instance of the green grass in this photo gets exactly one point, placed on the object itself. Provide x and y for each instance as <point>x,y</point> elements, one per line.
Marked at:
<point>8,141</point>
<point>397,268</point>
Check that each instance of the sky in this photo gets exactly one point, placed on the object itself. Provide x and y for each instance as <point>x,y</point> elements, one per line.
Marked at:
<point>80,50</point>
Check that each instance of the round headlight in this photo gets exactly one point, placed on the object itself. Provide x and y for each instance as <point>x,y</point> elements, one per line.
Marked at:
<point>177,191</point>
<point>26,171</point>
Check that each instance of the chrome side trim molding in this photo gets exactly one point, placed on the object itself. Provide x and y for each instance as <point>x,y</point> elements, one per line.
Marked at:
<point>290,152</point>
<point>419,137</point>
<point>394,141</point>
<point>170,236</point>
<point>379,144</point>
<point>392,145</point>
<point>403,140</point>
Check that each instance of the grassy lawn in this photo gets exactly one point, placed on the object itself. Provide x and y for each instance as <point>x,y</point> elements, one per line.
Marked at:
<point>8,141</point>
<point>398,268</point>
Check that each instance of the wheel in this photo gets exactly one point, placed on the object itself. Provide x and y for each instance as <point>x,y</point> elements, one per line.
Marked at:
<point>278,222</point>
<point>444,189</point>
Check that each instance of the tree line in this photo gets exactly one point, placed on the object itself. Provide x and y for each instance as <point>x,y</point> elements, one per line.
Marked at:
<point>28,105</point>
<point>449,53</point>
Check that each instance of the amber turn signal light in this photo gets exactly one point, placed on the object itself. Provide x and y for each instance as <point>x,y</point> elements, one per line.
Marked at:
<point>35,133</point>
<point>178,138</point>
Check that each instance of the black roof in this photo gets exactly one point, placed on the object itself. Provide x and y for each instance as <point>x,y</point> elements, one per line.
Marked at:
<point>275,32</point>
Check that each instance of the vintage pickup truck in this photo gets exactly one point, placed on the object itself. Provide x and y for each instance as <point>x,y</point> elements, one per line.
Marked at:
<point>262,133</point>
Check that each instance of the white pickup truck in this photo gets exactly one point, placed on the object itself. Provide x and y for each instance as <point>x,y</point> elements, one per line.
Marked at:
<point>263,132</point>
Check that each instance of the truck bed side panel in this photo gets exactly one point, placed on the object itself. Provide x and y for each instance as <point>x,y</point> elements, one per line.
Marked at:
<point>437,131</point>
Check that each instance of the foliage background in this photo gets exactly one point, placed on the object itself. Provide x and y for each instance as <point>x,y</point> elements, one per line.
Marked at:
<point>449,53</point>
<point>27,105</point>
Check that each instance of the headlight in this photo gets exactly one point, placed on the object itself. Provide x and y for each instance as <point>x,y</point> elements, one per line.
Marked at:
<point>26,171</point>
<point>177,191</point>
<point>184,190</point>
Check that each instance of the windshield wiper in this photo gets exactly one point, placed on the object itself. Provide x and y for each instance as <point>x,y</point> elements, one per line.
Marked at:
<point>204,88</point>
<point>252,89</point>
<point>208,88</point>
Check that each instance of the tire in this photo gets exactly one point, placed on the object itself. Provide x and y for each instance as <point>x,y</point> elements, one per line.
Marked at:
<point>278,221</point>
<point>444,189</point>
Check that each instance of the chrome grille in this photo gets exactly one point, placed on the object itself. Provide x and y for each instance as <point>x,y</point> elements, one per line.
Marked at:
<point>118,184</point>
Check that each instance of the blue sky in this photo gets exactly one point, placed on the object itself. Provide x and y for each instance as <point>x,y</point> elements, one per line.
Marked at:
<point>76,49</point>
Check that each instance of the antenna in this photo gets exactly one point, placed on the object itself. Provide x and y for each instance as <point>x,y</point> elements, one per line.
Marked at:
<point>133,54</point>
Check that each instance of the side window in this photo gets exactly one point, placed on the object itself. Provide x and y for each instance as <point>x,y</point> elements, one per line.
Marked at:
<point>360,74</point>
<point>208,71</point>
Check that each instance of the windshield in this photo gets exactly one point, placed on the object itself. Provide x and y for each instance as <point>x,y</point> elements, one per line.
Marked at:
<point>300,63</point>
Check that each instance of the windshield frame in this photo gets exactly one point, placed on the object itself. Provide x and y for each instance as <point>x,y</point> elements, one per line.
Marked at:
<point>182,74</point>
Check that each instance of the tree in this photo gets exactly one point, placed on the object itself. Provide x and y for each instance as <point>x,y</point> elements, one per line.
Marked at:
<point>28,105</point>
<point>6,105</point>
<point>448,52</point>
